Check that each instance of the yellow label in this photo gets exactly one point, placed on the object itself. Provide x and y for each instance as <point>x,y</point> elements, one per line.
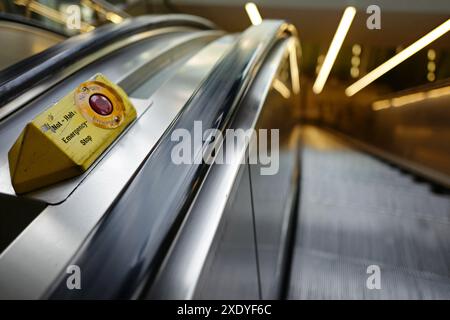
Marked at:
<point>68,137</point>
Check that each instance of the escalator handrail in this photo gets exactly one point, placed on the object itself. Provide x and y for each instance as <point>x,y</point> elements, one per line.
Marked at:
<point>142,251</point>
<point>26,74</point>
<point>180,274</point>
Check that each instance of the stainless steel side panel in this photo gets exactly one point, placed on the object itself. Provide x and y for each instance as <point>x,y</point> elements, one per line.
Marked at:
<point>25,271</point>
<point>231,268</point>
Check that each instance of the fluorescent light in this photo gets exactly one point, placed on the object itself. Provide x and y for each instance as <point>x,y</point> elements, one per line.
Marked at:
<point>356,49</point>
<point>436,93</point>
<point>354,72</point>
<point>398,58</point>
<point>410,98</point>
<point>356,61</point>
<point>380,105</point>
<point>294,68</point>
<point>114,17</point>
<point>281,88</point>
<point>333,51</point>
<point>253,13</point>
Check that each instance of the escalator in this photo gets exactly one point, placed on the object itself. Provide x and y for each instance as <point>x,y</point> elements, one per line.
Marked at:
<point>357,211</point>
<point>305,220</point>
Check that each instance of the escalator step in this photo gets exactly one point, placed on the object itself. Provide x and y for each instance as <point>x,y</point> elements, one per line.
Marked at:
<point>356,211</point>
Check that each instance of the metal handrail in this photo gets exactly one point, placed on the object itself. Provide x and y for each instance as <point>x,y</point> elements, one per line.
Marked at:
<point>17,80</point>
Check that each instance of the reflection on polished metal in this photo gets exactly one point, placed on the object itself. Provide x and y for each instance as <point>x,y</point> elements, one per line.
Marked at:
<point>60,230</point>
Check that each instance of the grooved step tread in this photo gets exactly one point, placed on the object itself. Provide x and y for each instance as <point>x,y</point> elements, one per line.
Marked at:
<point>357,211</point>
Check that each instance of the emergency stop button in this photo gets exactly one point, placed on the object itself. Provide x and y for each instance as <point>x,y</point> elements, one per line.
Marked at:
<point>100,104</point>
<point>64,140</point>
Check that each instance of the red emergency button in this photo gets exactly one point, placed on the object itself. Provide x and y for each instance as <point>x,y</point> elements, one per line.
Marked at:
<point>100,104</point>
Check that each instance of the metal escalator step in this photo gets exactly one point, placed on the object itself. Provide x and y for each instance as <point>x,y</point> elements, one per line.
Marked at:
<point>356,211</point>
<point>405,242</point>
<point>327,276</point>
